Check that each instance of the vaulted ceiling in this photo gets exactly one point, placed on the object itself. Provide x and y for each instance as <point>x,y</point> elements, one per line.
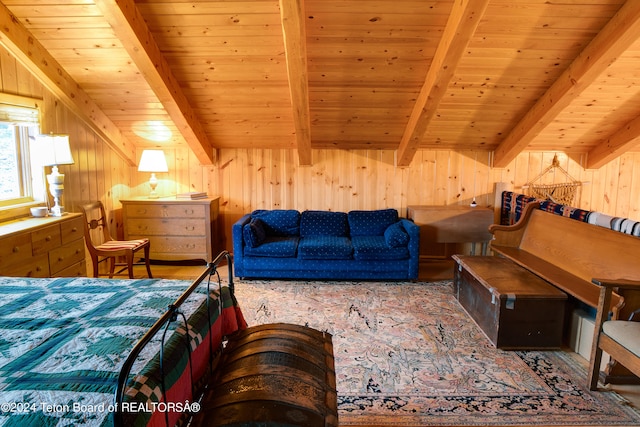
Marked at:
<point>497,75</point>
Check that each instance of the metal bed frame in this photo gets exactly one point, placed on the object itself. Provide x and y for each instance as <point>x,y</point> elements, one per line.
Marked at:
<point>172,315</point>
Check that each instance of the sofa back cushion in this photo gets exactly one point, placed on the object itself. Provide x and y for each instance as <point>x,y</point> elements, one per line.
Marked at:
<point>279,222</point>
<point>371,223</point>
<point>323,223</point>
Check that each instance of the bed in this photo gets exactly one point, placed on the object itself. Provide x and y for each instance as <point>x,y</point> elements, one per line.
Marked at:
<point>65,341</point>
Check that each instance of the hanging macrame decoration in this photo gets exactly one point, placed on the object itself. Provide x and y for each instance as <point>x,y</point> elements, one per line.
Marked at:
<point>563,193</point>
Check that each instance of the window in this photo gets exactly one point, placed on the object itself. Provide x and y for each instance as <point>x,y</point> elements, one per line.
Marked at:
<point>19,182</point>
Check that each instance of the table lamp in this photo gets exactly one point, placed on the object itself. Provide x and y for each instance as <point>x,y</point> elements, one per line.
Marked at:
<point>55,151</point>
<point>153,161</point>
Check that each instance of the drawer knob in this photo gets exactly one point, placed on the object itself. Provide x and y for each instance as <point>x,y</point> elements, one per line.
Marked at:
<point>74,229</point>
<point>16,249</point>
<point>48,238</point>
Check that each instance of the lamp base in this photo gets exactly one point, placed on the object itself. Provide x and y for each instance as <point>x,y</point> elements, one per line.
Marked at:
<point>58,211</point>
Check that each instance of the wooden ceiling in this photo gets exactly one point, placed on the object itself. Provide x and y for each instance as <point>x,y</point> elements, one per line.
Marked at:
<point>497,75</point>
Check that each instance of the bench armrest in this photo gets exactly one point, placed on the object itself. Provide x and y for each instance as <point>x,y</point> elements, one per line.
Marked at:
<point>511,235</point>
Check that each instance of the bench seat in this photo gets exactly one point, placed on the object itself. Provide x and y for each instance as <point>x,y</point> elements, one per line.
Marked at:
<point>573,285</point>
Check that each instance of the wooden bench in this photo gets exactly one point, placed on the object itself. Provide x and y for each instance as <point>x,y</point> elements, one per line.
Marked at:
<point>569,254</point>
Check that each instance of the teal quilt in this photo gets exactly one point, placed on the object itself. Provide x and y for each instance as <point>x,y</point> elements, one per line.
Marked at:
<point>63,341</point>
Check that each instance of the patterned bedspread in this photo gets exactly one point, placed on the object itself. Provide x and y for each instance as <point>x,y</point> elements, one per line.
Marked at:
<point>63,341</point>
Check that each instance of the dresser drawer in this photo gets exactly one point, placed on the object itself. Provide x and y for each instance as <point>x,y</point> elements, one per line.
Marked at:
<point>45,239</point>
<point>14,250</point>
<point>78,269</point>
<point>173,244</point>
<point>41,247</point>
<point>37,266</point>
<point>165,211</point>
<point>72,230</point>
<point>66,255</point>
<point>163,227</point>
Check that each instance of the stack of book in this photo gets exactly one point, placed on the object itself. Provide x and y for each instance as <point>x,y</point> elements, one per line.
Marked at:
<point>192,195</point>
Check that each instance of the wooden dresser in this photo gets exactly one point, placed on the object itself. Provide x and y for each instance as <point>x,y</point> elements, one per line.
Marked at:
<point>179,229</point>
<point>43,247</point>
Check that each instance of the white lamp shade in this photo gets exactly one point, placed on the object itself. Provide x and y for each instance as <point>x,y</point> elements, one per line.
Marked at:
<point>54,150</point>
<point>153,161</point>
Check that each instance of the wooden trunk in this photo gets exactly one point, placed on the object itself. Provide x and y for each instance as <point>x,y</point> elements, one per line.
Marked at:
<point>276,374</point>
<point>515,308</point>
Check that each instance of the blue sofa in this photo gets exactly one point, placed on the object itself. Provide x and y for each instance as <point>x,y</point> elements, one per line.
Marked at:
<point>359,245</point>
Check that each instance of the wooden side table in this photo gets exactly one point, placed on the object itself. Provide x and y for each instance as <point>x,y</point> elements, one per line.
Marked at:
<point>453,224</point>
<point>179,229</point>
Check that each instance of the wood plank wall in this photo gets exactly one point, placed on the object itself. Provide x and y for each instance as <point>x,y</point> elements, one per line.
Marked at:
<point>339,180</point>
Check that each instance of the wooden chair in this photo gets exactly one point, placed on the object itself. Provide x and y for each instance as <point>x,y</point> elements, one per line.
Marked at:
<point>102,246</point>
<point>619,338</point>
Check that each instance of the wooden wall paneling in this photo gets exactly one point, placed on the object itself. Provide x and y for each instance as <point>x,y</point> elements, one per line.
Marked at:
<point>611,185</point>
<point>427,178</point>
<point>9,70</point>
<point>341,179</point>
<point>290,172</point>
<point>196,181</point>
<point>182,174</point>
<point>453,182</point>
<point>466,174</point>
<point>441,184</point>
<point>302,185</point>
<point>319,178</point>
<point>482,187</point>
<point>413,193</point>
<point>275,180</point>
<point>624,183</point>
<point>386,184</point>
<point>634,190</point>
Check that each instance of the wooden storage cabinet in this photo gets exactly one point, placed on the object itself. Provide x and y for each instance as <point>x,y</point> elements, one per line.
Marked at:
<point>178,229</point>
<point>514,308</point>
<point>43,247</point>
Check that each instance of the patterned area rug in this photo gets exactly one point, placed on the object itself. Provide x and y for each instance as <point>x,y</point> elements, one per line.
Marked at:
<point>407,354</point>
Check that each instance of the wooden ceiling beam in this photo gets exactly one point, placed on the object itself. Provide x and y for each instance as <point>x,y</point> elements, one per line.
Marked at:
<point>130,27</point>
<point>620,32</point>
<point>462,23</point>
<point>618,143</point>
<point>34,57</point>
<point>293,29</point>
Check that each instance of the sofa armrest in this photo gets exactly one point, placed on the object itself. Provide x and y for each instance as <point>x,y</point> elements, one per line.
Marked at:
<point>238,243</point>
<point>413,246</point>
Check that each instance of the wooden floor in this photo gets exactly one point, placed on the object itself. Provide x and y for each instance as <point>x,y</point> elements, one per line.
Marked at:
<point>433,271</point>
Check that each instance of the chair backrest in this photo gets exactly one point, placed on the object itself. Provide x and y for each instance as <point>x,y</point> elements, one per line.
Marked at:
<point>96,226</point>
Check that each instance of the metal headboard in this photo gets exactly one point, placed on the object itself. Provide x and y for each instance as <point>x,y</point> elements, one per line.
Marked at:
<point>170,316</point>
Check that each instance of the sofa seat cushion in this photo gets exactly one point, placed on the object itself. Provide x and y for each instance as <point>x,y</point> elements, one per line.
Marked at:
<point>276,247</point>
<point>376,248</point>
<point>279,222</point>
<point>325,247</point>
<point>323,223</point>
<point>371,223</point>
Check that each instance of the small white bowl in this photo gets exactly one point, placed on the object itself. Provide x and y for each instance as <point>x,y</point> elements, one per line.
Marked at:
<point>39,212</point>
